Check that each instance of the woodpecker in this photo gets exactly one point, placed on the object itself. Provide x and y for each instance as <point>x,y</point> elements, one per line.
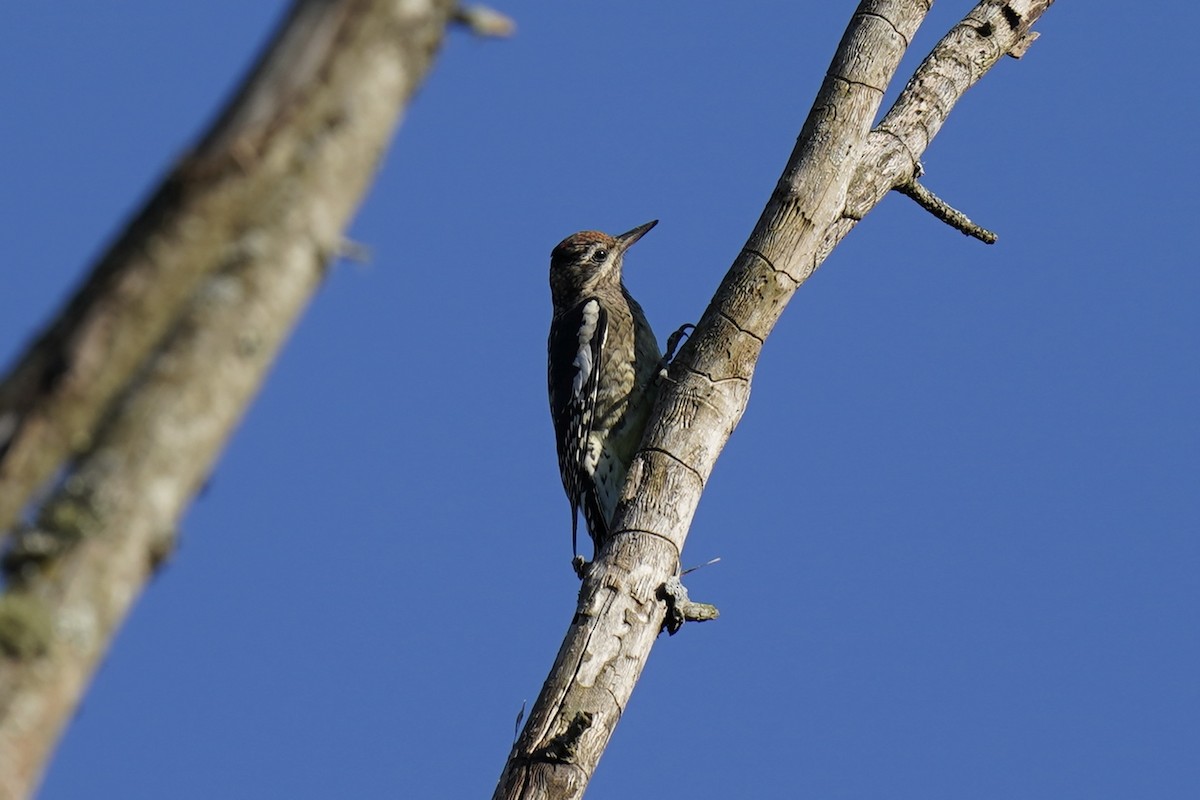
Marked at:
<point>603,364</point>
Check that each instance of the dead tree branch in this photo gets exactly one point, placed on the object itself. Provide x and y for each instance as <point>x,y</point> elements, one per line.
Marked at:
<point>839,170</point>
<point>945,212</point>
<point>152,363</point>
<point>299,96</point>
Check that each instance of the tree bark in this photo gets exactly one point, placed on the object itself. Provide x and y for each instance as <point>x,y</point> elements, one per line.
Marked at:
<point>839,170</point>
<point>152,363</point>
<point>300,92</point>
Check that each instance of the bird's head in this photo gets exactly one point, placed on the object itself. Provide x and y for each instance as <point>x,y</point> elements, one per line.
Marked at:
<point>589,260</point>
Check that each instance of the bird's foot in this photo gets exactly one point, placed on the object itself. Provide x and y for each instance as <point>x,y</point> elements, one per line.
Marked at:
<point>581,567</point>
<point>673,342</point>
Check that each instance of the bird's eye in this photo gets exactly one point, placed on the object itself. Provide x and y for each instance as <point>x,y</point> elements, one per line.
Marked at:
<point>600,255</point>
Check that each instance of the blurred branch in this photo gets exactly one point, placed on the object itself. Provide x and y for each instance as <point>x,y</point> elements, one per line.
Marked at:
<point>154,360</point>
<point>53,397</point>
<point>484,21</point>
<point>839,170</point>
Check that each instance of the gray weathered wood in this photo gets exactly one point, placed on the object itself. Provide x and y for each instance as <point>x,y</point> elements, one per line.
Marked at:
<point>837,172</point>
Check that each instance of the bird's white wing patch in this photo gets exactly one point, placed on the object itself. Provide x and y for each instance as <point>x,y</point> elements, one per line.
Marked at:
<point>584,363</point>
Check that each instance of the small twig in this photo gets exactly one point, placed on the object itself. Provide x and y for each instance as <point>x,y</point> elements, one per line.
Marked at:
<point>484,21</point>
<point>681,608</point>
<point>708,563</point>
<point>351,250</point>
<point>945,212</point>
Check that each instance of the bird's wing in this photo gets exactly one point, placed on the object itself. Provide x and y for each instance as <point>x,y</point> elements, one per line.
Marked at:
<point>576,352</point>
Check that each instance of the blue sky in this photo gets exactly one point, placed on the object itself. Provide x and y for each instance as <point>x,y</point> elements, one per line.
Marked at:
<point>958,523</point>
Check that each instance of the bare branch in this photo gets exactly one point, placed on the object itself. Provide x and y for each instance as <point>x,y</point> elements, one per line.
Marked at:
<point>299,96</point>
<point>835,175</point>
<point>220,263</point>
<point>944,211</point>
<point>893,152</point>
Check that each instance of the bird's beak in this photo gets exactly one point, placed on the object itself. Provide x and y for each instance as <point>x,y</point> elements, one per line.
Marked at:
<point>625,240</point>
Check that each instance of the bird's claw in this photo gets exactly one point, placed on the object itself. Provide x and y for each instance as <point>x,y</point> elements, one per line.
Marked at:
<point>673,342</point>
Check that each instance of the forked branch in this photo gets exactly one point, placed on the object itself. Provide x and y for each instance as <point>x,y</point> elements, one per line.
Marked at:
<point>839,170</point>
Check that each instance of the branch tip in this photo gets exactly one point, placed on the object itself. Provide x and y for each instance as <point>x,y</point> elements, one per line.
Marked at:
<point>708,563</point>
<point>484,21</point>
<point>351,250</point>
<point>681,608</point>
<point>945,212</point>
